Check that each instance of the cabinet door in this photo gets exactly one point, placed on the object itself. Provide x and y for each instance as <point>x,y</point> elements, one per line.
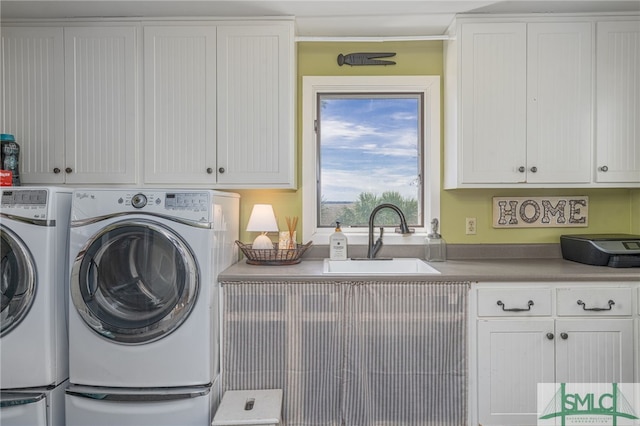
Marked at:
<point>594,351</point>
<point>32,99</point>
<point>513,357</point>
<point>255,106</point>
<point>618,101</point>
<point>493,102</point>
<point>559,86</point>
<point>180,104</point>
<point>100,105</point>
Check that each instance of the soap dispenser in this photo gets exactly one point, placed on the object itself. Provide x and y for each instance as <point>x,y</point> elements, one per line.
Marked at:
<point>435,247</point>
<point>338,244</point>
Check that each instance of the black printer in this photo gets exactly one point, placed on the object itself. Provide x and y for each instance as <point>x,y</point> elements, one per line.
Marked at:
<point>615,250</point>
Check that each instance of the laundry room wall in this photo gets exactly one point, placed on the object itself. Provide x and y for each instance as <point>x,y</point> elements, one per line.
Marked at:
<point>610,210</point>
<point>635,211</point>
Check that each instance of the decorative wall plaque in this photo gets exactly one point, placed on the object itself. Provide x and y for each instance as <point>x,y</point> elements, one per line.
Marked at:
<point>365,59</point>
<point>540,212</point>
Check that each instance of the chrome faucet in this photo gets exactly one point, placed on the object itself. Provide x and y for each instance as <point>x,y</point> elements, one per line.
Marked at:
<point>404,229</point>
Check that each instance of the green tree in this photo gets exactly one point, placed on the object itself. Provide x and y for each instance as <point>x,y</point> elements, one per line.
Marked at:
<point>358,214</point>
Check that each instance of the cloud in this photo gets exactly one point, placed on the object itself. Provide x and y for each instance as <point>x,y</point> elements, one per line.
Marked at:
<point>333,131</point>
<point>346,185</point>
<point>368,145</point>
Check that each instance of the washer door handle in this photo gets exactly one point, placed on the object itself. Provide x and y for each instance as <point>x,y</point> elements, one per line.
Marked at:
<point>92,278</point>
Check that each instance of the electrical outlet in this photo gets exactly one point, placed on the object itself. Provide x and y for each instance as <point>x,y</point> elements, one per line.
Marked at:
<point>470,226</point>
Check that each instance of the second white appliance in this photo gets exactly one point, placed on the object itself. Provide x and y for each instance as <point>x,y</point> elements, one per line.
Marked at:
<point>144,291</point>
<point>33,321</point>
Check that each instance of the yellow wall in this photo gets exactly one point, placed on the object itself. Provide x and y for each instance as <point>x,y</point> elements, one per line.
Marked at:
<point>611,210</point>
<point>635,211</point>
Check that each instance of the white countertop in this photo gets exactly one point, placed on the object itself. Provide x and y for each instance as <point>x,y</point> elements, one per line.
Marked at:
<point>484,270</point>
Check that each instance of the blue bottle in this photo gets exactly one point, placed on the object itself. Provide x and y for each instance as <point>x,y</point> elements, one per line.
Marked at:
<point>11,156</point>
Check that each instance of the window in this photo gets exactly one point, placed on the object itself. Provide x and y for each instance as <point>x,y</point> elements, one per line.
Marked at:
<point>369,140</point>
<point>369,152</point>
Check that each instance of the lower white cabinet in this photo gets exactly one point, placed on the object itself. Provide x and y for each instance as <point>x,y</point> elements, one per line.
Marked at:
<point>532,333</point>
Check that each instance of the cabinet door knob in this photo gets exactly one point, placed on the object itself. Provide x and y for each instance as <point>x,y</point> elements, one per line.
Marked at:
<point>534,169</point>
<point>603,169</point>
<point>521,169</point>
<point>564,336</point>
<point>68,170</point>
<point>550,336</point>
<point>56,170</point>
<point>221,169</point>
<point>209,170</point>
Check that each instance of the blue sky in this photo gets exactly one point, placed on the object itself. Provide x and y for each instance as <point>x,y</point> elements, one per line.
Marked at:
<point>368,145</point>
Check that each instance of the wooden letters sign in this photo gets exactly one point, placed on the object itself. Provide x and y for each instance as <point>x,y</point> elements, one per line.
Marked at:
<point>540,212</point>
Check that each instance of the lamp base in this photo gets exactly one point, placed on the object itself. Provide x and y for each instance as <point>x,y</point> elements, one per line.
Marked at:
<point>262,242</point>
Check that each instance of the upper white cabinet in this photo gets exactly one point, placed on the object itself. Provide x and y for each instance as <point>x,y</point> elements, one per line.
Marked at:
<point>219,105</point>
<point>100,105</point>
<point>213,101</point>
<point>524,113</point>
<point>256,105</point>
<point>559,102</point>
<point>70,99</point>
<point>542,102</point>
<point>493,106</point>
<point>618,101</point>
<point>32,100</point>
<point>180,104</point>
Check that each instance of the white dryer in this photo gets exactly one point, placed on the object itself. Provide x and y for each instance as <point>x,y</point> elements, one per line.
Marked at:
<point>33,334</point>
<point>144,291</point>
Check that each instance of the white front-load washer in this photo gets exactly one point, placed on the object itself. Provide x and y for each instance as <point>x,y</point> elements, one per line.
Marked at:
<point>143,286</point>
<point>33,333</point>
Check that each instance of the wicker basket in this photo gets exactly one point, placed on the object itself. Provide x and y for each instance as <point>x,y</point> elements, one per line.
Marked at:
<point>275,256</point>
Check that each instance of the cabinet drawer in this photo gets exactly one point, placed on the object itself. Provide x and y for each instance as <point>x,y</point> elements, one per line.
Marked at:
<point>600,301</point>
<point>514,302</point>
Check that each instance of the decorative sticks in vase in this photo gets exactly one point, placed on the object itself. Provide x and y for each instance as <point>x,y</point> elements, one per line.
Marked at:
<point>292,223</point>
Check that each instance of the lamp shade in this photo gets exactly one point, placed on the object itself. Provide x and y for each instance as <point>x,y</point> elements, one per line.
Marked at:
<point>262,219</point>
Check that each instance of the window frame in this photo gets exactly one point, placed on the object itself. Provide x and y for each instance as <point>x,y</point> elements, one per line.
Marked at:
<point>429,86</point>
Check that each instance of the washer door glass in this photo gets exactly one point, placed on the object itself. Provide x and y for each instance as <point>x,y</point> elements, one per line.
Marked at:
<point>134,282</point>
<point>17,282</point>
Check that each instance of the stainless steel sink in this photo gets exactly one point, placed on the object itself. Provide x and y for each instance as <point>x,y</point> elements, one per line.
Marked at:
<point>395,266</point>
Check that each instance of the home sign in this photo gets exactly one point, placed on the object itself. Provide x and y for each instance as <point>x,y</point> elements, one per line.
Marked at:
<point>540,212</point>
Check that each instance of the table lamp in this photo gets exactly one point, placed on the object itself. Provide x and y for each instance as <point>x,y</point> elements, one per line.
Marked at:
<point>262,220</point>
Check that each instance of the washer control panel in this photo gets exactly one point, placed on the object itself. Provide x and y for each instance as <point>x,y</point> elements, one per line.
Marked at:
<point>187,200</point>
<point>187,205</point>
<point>27,203</point>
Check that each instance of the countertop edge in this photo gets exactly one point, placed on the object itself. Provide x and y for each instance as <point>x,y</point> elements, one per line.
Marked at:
<point>494,270</point>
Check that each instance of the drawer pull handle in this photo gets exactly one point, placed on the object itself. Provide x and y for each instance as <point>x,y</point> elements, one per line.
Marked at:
<point>584,307</point>
<point>528,308</point>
